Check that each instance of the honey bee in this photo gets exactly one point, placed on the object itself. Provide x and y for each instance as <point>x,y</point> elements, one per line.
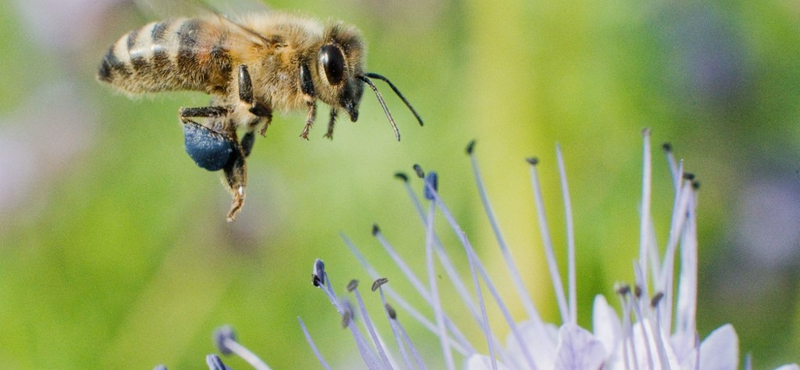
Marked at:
<point>250,66</point>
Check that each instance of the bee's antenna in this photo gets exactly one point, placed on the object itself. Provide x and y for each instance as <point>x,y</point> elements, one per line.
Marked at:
<point>383,104</point>
<point>396,91</point>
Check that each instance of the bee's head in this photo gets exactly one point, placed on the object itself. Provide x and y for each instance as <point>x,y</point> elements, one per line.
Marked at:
<point>340,62</point>
<point>340,69</point>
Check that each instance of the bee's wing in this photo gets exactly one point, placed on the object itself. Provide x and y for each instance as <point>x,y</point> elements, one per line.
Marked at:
<point>199,8</point>
<point>240,38</point>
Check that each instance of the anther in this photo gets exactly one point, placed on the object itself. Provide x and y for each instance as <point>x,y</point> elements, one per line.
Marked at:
<point>318,276</point>
<point>667,147</point>
<point>378,283</point>
<point>221,335</point>
<point>470,147</point>
<point>637,291</point>
<point>656,299</point>
<point>688,176</point>
<point>532,161</point>
<point>392,313</point>
<point>401,176</point>
<point>375,230</point>
<point>347,314</point>
<point>352,285</point>
<point>695,185</point>
<point>419,171</point>
<point>431,185</point>
<point>623,289</point>
<point>215,363</point>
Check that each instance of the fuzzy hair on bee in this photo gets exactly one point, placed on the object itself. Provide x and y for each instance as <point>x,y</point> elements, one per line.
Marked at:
<point>251,66</point>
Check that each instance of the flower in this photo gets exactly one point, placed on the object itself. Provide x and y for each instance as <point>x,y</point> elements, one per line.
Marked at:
<point>656,328</point>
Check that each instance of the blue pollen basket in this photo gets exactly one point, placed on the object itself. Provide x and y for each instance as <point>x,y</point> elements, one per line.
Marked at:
<point>207,148</point>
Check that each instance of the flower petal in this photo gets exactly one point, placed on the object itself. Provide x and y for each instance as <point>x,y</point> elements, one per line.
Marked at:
<point>720,350</point>
<point>481,362</point>
<point>578,349</point>
<point>540,339</point>
<point>607,328</point>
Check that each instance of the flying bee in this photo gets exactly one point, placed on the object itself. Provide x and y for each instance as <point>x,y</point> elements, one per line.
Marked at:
<point>250,67</point>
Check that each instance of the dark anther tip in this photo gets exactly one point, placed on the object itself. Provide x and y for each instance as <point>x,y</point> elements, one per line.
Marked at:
<point>667,147</point>
<point>392,313</point>
<point>318,276</point>
<point>431,185</point>
<point>471,147</point>
<point>401,176</point>
<point>347,315</point>
<point>375,230</point>
<point>623,289</point>
<point>637,291</point>
<point>656,299</point>
<point>221,335</point>
<point>419,171</point>
<point>532,161</point>
<point>378,283</point>
<point>688,176</point>
<point>352,285</point>
<point>696,185</point>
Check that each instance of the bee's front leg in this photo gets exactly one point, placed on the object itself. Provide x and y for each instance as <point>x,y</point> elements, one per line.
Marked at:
<point>307,87</point>
<point>331,122</point>
<point>257,108</point>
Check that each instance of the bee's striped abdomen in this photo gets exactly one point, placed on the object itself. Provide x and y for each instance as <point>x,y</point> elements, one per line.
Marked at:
<point>182,54</point>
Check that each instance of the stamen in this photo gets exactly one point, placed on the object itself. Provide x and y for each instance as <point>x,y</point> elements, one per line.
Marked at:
<point>376,341</point>
<point>377,283</point>
<point>571,277</point>
<point>461,345</point>
<point>160,367</point>
<point>484,276</point>
<point>434,289</point>
<point>525,297</point>
<point>401,334</point>
<point>312,345</point>
<point>367,354</point>
<point>418,170</point>
<point>401,176</point>
<point>431,184</point>
<point>225,339</point>
<point>555,276</point>
<point>215,363</point>
<point>318,276</point>
<point>392,314</point>
<point>647,175</point>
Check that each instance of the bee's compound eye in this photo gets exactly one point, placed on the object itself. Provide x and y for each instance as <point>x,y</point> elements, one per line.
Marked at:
<point>333,61</point>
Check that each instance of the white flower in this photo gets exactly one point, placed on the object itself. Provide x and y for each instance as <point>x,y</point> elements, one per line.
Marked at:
<point>655,330</point>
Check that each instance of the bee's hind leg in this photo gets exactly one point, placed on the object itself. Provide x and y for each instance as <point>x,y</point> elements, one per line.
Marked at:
<point>236,181</point>
<point>257,108</point>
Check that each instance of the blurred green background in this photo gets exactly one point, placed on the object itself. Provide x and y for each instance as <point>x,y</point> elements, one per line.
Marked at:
<point>115,252</point>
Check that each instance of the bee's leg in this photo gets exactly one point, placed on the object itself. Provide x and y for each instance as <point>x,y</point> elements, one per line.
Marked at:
<point>310,117</point>
<point>257,108</point>
<point>236,181</point>
<point>307,86</point>
<point>331,122</point>
<point>210,112</point>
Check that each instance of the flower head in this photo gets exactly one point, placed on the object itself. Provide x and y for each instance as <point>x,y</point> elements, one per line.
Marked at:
<point>655,330</point>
